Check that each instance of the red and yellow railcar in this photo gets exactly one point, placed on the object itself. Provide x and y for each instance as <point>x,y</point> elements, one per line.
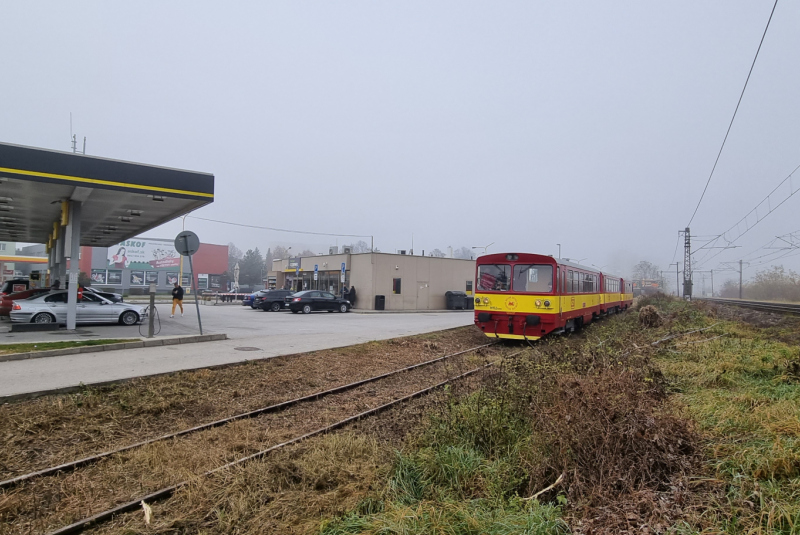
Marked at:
<point>526,296</point>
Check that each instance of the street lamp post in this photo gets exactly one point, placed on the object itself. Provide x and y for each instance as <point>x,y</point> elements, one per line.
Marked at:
<point>559,250</point>
<point>484,247</point>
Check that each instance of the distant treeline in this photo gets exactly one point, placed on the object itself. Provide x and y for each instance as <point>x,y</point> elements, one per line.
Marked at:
<point>775,284</point>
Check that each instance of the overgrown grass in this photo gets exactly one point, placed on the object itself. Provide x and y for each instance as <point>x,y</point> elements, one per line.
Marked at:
<point>667,429</point>
<point>743,392</point>
<point>464,475</point>
<point>6,349</point>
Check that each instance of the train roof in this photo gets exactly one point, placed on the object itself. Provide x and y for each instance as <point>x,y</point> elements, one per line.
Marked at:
<point>534,257</point>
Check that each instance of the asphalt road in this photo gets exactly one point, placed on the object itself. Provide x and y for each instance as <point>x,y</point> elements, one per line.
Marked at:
<point>266,334</point>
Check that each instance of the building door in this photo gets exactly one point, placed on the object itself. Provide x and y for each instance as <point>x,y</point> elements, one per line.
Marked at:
<point>423,295</point>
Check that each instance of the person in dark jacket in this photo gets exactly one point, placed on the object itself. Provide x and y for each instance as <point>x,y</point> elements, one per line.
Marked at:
<point>352,296</point>
<point>177,299</point>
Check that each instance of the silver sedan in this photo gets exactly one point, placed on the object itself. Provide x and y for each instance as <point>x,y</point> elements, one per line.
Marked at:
<point>52,308</point>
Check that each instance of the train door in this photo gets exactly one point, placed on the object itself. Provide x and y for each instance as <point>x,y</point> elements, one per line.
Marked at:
<point>601,286</point>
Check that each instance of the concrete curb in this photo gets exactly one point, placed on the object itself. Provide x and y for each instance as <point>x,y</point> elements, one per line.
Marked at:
<point>151,342</point>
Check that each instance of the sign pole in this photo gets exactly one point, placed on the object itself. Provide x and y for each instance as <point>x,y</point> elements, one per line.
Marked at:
<point>196,297</point>
<point>151,318</point>
<point>187,243</point>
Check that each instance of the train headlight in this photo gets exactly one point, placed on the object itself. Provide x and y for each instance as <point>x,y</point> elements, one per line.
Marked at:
<point>477,300</point>
<point>547,303</point>
<point>538,303</point>
<point>485,300</point>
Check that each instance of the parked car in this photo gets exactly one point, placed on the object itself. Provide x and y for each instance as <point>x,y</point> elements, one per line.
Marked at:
<point>6,301</point>
<point>248,300</point>
<point>52,308</point>
<point>274,300</point>
<point>111,296</point>
<point>14,285</point>
<point>309,300</point>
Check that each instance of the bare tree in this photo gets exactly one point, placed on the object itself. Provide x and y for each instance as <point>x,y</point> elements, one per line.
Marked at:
<point>464,253</point>
<point>280,253</point>
<point>234,255</point>
<point>308,252</point>
<point>436,253</point>
<point>646,270</point>
<point>360,247</point>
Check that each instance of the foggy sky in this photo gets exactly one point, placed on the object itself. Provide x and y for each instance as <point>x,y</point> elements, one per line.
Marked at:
<point>526,124</point>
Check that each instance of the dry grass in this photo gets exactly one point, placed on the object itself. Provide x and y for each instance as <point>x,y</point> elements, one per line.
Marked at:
<point>654,430</point>
<point>50,502</point>
<point>293,488</point>
<point>56,429</point>
<point>6,349</point>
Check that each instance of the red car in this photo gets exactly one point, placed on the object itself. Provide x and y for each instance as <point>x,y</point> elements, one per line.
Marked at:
<point>7,301</point>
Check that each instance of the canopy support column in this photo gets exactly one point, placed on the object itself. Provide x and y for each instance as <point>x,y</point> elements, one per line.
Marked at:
<point>72,252</point>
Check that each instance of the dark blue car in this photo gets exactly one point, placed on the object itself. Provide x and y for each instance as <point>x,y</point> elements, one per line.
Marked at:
<point>248,300</point>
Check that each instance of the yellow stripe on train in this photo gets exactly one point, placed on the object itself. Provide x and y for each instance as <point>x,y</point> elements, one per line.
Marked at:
<point>544,304</point>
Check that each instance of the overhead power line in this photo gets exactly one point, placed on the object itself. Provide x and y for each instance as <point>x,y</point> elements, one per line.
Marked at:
<point>734,114</point>
<point>753,217</point>
<point>280,229</point>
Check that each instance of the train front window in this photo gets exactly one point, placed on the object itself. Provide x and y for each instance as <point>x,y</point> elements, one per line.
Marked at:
<point>533,278</point>
<point>494,277</point>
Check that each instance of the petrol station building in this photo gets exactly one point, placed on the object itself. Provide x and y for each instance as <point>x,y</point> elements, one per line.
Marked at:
<point>67,201</point>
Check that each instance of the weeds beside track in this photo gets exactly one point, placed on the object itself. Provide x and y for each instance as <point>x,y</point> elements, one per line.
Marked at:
<point>176,459</point>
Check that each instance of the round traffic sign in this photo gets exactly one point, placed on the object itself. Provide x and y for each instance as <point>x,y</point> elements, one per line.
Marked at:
<point>187,243</point>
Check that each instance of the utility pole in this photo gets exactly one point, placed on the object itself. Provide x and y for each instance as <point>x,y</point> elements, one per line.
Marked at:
<point>740,279</point>
<point>677,281</point>
<point>712,283</point>
<point>687,265</point>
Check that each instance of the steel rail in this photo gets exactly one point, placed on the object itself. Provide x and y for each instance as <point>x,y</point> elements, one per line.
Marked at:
<point>162,494</point>
<point>72,465</point>
<point>764,306</point>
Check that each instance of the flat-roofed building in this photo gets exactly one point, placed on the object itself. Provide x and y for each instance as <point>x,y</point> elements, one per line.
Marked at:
<point>407,282</point>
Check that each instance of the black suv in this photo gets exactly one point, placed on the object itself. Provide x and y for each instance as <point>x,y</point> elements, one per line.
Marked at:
<point>273,300</point>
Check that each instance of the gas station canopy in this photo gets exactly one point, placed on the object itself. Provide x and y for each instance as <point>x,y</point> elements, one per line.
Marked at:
<point>119,200</point>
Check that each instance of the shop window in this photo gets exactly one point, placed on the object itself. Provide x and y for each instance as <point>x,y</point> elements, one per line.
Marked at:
<point>395,286</point>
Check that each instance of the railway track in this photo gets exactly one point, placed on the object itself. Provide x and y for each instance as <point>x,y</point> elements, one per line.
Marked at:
<point>764,306</point>
<point>281,424</point>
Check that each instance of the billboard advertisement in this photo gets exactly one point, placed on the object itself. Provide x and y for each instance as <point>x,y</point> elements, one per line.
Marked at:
<point>143,254</point>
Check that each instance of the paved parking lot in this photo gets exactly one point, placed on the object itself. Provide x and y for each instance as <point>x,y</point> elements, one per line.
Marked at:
<point>266,334</point>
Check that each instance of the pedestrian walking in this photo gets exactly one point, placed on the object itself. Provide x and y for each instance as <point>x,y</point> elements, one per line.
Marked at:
<point>177,299</point>
<point>344,291</point>
<point>352,296</point>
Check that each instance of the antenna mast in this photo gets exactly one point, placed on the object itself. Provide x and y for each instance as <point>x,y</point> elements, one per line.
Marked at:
<point>74,138</point>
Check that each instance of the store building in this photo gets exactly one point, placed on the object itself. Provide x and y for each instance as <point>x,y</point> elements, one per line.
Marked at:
<point>130,266</point>
<point>407,282</point>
